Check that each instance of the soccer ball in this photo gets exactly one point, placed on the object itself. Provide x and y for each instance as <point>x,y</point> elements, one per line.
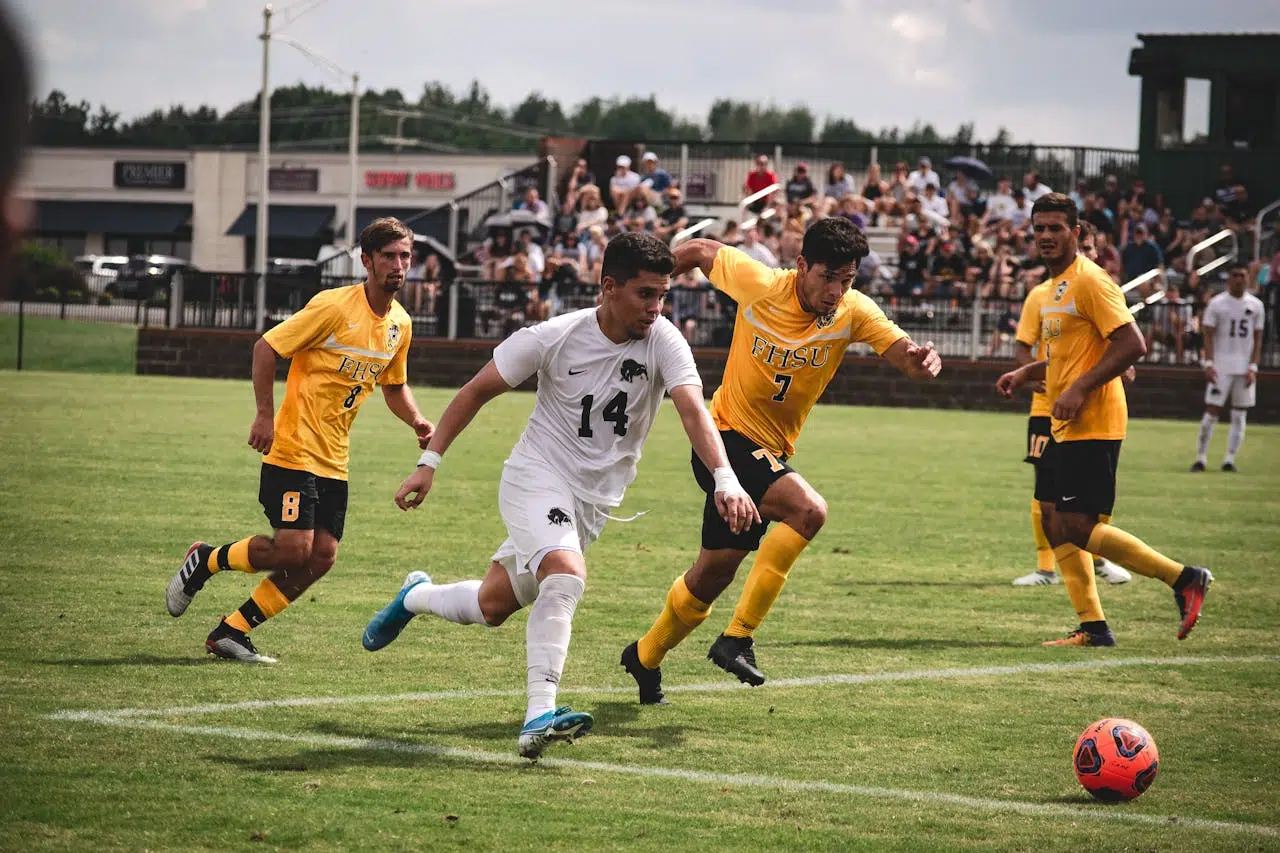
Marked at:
<point>1116,760</point>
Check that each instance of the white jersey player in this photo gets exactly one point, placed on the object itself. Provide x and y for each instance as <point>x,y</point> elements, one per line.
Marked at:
<point>1232,345</point>
<point>601,375</point>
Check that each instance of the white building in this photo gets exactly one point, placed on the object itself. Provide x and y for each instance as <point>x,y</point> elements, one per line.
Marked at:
<point>201,204</point>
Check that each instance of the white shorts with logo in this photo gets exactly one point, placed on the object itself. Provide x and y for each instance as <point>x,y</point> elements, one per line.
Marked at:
<point>1233,388</point>
<point>542,515</point>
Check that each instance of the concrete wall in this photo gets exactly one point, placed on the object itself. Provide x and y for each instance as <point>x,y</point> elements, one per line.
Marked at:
<point>1160,392</point>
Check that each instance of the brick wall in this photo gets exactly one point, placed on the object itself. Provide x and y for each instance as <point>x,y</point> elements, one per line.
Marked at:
<point>1161,392</point>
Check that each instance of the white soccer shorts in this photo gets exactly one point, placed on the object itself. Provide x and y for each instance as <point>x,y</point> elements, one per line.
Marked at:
<point>1232,387</point>
<point>542,515</point>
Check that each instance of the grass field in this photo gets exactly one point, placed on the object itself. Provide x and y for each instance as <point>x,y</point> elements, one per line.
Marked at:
<point>951,728</point>
<point>68,345</point>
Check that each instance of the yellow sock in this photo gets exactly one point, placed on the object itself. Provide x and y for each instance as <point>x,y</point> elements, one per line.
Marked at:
<point>264,602</point>
<point>778,552</point>
<point>1077,574</point>
<point>1132,553</point>
<point>234,556</point>
<point>1044,551</point>
<point>681,614</point>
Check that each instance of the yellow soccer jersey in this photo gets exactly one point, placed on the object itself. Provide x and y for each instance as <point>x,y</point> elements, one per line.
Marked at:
<point>1079,314</point>
<point>1029,334</point>
<point>340,350</point>
<point>782,357</point>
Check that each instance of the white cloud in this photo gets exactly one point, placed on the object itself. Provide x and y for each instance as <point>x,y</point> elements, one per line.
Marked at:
<point>917,29</point>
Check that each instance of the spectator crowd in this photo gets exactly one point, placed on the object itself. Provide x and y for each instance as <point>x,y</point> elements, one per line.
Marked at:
<point>953,243</point>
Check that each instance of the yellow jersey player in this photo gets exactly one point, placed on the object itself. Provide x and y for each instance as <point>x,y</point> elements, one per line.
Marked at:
<point>1089,339</point>
<point>1026,345</point>
<point>343,344</point>
<point>789,337</point>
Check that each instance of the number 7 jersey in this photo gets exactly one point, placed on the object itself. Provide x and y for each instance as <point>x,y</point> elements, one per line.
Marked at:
<point>596,399</point>
<point>782,357</point>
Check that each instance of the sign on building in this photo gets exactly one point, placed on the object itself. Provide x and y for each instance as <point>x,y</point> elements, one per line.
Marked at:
<point>136,175</point>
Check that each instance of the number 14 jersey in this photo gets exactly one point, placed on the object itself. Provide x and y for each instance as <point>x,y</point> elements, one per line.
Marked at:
<point>596,399</point>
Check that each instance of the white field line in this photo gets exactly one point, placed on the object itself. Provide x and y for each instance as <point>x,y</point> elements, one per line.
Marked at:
<point>1045,810</point>
<point>707,687</point>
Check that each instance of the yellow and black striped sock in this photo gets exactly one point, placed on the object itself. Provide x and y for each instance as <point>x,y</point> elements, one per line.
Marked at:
<point>264,602</point>
<point>234,556</point>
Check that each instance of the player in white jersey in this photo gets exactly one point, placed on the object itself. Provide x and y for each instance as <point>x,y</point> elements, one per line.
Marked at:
<point>601,377</point>
<point>1232,326</point>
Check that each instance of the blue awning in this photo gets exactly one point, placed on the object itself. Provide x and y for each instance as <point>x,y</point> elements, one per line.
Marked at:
<point>110,217</point>
<point>306,221</point>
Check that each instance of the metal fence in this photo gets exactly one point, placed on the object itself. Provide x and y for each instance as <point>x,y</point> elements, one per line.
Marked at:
<point>467,213</point>
<point>486,310</point>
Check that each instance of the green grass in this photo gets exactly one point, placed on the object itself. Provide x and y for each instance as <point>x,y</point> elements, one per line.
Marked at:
<point>109,478</point>
<point>68,345</point>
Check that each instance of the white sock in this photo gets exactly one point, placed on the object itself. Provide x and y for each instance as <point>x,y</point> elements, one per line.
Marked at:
<point>1235,435</point>
<point>547,639</point>
<point>1206,434</point>
<point>454,602</point>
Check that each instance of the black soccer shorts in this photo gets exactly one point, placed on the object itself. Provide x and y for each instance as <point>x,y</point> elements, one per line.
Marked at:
<point>1079,476</point>
<point>757,469</point>
<point>299,500</point>
<point>1038,438</point>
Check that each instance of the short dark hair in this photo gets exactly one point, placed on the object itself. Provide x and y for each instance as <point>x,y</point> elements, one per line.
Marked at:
<point>382,232</point>
<point>15,97</point>
<point>834,242</point>
<point>1056,203</point>
<point>1087,230</point>
<point>634,252</point>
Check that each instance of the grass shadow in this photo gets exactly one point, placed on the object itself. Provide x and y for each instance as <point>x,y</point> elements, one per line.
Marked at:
<point>902,644</point>
<point>133,660</point>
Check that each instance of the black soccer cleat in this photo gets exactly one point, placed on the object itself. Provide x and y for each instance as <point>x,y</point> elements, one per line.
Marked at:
<point>228,643</point>
<point>189,579</point>
<point>648,680</point>
<point>737,656</point>
<point>1229,467</point>
<point>1197,467</point>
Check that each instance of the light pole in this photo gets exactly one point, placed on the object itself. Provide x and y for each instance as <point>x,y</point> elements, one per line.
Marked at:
<point>264,154</point>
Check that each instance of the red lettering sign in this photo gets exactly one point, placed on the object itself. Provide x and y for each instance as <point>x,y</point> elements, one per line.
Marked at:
<point>434,180</point>
<point>386,180</point>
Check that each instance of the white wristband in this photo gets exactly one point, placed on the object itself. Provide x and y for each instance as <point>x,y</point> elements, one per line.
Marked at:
<point>1254,367</point>
<point>726,481</point>
<point>429,458</point>
<point>1208,362</point>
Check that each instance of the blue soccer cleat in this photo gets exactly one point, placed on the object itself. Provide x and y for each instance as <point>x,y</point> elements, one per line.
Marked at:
<point>388,622</point>
<point>563,723</point>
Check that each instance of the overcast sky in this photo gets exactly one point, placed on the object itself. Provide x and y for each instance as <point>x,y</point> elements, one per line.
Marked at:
<point>1052,72</point>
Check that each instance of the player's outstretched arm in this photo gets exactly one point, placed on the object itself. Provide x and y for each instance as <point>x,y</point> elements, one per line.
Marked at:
<point>1126,347</point>
<point>263,430</point>
<point>400,401</point>
<point>482,388</point>
<point>698,252</point>
<point>914,360</point>
<point>1013,380</point>
<point>735,506</point>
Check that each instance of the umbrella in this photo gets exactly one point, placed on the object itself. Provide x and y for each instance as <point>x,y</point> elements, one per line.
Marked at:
<point>516,219</point>
<point>971,166</point>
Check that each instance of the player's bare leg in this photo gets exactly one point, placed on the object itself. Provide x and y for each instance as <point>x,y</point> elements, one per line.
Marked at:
<point>285,549</point>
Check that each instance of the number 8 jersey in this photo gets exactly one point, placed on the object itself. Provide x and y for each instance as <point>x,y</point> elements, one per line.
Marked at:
<point>596,399</point>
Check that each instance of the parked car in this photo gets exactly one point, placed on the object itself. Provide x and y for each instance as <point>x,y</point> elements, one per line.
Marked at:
<point>146,275</point>
<point>98,271</point>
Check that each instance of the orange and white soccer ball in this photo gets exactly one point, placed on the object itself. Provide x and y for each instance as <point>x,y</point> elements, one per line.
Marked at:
<point>1116,760</point>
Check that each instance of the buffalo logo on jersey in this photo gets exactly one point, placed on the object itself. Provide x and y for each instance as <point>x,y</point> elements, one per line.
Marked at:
<point>827,319</point>
<point>784,357</point>
<point>557,516</point>
<point>1059,291</point>
<point>632,369</point>
<point>393,337</point>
